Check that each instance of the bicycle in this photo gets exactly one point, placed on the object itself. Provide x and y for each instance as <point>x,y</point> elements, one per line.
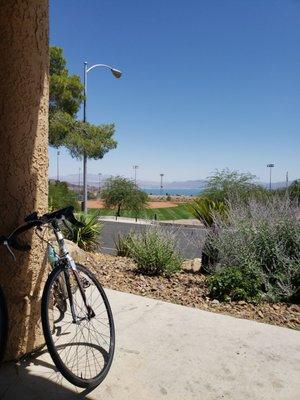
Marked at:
<point>76,316</point>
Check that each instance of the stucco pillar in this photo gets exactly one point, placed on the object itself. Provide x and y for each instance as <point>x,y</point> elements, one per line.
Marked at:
<point>24,64</point>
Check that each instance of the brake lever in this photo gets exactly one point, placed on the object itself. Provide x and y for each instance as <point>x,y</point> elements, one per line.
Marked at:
<point>10,250</point>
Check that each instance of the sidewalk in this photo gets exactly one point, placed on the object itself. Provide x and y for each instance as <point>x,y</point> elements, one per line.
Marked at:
<point>139,221</point>
<point>166,351</point>
<point>126,220</point>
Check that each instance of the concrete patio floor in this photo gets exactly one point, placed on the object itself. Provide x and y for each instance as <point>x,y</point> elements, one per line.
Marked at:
<point>167,351</point>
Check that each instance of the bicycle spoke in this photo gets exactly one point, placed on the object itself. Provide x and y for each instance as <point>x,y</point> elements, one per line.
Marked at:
<point>82,344</point>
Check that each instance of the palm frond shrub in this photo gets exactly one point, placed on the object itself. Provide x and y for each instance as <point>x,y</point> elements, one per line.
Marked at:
<point>204,209</point>
<point>88,237</point>
<point>154,251</point>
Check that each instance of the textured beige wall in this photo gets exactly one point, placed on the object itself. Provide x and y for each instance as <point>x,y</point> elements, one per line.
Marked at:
<point>23,160</point>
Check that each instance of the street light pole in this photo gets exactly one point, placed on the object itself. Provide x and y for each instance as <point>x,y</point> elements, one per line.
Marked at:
<point>79,183</point>
<point>117,74</point>
<point>99,176</point>
<point>161,183</point>
<point>57,166</point>
<point>135,167</point>
<point>270,166</point>
<point>84,152</point>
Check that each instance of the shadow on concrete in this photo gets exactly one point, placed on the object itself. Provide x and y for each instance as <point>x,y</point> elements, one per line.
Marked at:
<point>18,381</point>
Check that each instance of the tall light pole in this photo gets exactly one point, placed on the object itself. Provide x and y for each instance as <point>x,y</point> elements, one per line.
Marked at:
<point>270,166</point>
<point>135,167</point>
<point>99,176</point>
<point>79,182</point>
<point>117,74</point>
<point>161,183</point>
<point>57,166</point>
<point>287,179</point>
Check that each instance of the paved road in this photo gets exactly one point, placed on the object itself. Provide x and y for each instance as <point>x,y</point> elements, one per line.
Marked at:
<point>169,352</point>
<point>189,239</point>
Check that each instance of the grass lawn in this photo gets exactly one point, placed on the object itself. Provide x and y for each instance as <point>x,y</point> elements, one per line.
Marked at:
<point>170,213</point>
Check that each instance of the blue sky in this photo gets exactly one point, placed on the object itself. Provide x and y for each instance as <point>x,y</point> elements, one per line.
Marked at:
<point>207,84</point>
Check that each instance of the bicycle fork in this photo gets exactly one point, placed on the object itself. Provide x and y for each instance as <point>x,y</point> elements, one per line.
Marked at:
<point>90,311</point>
<point>71,266</point>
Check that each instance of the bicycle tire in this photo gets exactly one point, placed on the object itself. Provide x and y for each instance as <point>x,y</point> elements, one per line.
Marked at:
<point>56,350</point>
<point>3,324</point>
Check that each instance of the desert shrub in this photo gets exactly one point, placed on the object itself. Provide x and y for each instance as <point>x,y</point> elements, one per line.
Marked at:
<point>264,236</point>
<point>294,190</point>
<point>87,237</point>
<point>154,251</point>
<point>121,193</point>
<point>224,185</point>
<point>233,283</point>
<point>61,196</point>
<point>123,243</point>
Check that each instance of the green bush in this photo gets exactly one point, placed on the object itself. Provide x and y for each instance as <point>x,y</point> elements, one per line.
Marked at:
<point>123,243</point>
<point>154,252</point>
<point>224,185</point>
<point>87,237</point>
<point>261,236</point>
<point>61,196</point>
<point>123,194</point>
<point>294,191</point>
<point>234,284</point>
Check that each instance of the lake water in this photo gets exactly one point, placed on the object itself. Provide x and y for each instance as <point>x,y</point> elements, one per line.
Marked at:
<point>172,192</point>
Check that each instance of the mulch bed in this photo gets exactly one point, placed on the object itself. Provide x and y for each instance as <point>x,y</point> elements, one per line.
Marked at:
<point>185,288</point>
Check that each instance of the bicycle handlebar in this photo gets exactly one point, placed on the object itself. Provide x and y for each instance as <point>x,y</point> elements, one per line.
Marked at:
<point>64,213</point>
<point>33,220</point>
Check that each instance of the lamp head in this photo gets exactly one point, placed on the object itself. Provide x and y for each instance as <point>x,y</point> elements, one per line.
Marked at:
<point>116,73</point>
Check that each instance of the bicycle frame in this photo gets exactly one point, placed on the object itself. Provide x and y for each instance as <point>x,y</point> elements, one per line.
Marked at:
<point>67,261</point>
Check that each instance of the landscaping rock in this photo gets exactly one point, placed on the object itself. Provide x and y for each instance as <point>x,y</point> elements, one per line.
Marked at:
<point>192,265</point>
<point>79,255</point>
<point>186,288</point>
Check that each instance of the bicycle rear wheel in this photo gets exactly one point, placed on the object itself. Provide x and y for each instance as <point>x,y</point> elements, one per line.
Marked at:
<point>82,350</point>
<point>3,324</point>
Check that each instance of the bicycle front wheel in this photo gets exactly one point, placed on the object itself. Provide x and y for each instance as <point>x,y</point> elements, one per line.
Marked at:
<point>81,345</point>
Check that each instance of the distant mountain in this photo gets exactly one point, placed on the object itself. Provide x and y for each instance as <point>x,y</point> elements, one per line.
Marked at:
<point>93,181</point>
<point>174,185</point>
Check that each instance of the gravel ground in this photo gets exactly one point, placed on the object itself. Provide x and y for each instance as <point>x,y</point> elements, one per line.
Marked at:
<point>185,288</point>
